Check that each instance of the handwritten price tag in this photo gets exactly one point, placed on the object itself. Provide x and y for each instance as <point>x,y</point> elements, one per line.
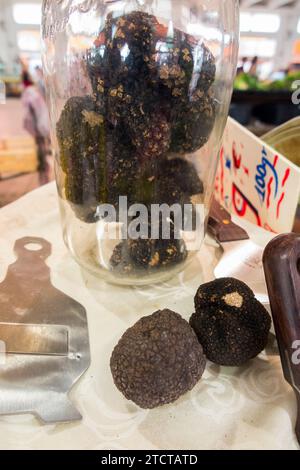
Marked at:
<point>256,182</point>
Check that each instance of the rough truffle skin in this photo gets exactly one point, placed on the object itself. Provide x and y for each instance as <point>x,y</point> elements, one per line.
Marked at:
<point>172,180</point>
<point>193,122</point>
<point>151,134</point>
<point>182,174</point>
<point>157,360</point>
<point>231,325</point>
<point>134,256</point>
<point>81,136</point>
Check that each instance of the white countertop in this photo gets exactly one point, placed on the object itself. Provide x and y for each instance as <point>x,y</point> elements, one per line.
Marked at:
<point>249,407</point>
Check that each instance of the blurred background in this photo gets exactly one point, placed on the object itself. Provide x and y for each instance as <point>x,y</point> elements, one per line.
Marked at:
<point>269,65</point>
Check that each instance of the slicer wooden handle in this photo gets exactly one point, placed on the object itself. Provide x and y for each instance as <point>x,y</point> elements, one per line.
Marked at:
<point>221,227</point>
<point>282,271</point>
<point>297,427</point>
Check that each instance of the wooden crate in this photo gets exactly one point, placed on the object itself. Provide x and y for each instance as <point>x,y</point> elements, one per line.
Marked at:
<point>16,143</point>
<point>18,155</point>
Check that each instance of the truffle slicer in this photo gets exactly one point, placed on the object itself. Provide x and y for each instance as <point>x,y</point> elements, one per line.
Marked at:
<point>44,342</point>
<point>242,258</point>
<point>281,261</point>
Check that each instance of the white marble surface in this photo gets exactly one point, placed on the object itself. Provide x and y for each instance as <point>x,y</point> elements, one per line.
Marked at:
<point>231,408</point>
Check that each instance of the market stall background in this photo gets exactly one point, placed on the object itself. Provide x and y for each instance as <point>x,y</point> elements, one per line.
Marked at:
<point>270,30</point>
<point>245,407</point>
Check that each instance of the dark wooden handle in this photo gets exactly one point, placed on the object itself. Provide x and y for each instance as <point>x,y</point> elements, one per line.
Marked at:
<point>281,261</point>
<point>221,227</point>
<point>297,427</point>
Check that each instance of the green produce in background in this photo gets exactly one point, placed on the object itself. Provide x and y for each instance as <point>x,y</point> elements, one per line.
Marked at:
<point>246,82</point>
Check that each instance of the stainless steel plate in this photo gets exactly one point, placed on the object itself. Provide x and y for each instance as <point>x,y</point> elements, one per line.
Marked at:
<point>43,337</point>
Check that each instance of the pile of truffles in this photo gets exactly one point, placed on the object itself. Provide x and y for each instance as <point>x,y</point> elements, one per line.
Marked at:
<point>152,103</point>
<point>162,356</point>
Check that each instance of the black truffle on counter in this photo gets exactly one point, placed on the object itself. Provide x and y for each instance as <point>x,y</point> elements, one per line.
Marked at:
<point>231,325</point>
<point>157,360</point>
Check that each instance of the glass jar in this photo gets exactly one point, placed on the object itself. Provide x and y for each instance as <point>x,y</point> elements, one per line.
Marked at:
<point>138,92</point>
